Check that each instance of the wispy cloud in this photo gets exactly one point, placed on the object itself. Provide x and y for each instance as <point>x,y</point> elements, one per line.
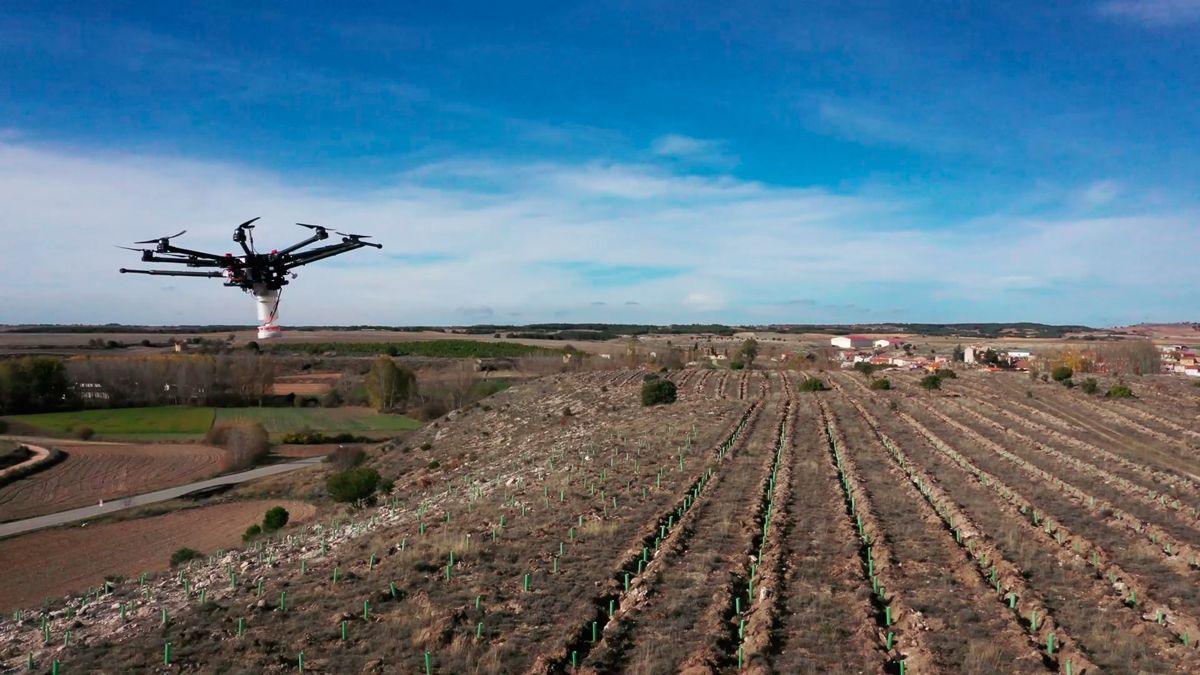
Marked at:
<point>495,237</point>
<point>1154,13</point>
<point>693,150</point>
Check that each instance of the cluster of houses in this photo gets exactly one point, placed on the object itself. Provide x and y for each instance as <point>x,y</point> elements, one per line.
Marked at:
<point>1179,359</point>
<point>861,348</point>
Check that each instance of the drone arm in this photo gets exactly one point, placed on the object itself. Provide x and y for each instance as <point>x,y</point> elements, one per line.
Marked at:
<point>172,273</point>
<point>187,251</point>
<point>190,261</point>
<point>320,254</point>
<point>318,236</point>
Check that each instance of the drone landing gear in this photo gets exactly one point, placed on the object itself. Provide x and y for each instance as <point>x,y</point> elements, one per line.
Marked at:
<point>267,302</point>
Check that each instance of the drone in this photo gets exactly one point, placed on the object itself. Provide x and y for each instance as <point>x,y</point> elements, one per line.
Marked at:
<point>263,275</point>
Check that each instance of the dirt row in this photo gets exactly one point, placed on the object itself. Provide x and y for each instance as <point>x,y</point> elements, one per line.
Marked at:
<point>678,604</point>
<point>1081,594</point>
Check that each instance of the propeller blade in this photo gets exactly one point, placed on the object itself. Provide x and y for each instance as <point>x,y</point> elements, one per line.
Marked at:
<point>155,241</point>
<point>248,222</point>
<point>312,227</point>
<point>355,236</point>
<point>130,248</point>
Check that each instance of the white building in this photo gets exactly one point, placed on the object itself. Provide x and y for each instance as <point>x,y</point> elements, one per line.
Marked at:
<point>851,342</point>
<point>883,343</point>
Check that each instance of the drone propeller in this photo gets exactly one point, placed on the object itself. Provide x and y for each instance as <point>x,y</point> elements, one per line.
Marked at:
<point>358,239</point>
<point>155,241</point>
<point>130,248</point>
<point>249,223</point>
<point>312,227</point>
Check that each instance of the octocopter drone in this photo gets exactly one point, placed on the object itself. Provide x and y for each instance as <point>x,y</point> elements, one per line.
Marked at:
<point>261,274</point>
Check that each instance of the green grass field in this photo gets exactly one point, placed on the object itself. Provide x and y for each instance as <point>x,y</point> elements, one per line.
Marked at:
<point>288,420</point>
<point>187,423</point>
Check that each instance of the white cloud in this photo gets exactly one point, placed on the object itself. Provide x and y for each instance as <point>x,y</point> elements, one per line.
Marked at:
<point>1155,13</point>
<point>484,236</point>
<point>693,150</point>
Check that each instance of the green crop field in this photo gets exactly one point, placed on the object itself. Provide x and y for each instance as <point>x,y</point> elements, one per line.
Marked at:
<point>164,422</point>
<point>288,420</point>
<point>187,423</point>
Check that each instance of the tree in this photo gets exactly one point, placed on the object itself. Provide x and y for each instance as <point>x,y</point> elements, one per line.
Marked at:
<point>248,442</point>
<point>389,385</point>
<point>959,354</point>
<point>1061,373</point>
<point>946,374</point>
<point>656,392</point>
<point>275,518</point>
<point>748,352</point>
<point>931,382</point>
<point>352,485</point>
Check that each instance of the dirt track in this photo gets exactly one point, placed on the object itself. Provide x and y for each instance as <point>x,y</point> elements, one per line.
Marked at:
<point>69,559</point>
<point>94,471</point>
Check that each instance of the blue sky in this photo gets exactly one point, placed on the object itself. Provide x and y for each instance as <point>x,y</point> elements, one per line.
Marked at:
<point>640,161</point>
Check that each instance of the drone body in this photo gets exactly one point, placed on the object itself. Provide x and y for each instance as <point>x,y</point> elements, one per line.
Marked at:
<point>263,275</point>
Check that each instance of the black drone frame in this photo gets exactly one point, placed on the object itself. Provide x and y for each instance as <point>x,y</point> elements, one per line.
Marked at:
<point>252,271</point>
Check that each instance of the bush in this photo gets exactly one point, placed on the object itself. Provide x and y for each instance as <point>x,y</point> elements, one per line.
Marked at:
<point>346,458</point>
<point>1090,386</point>
<point>1061,373</point>
<point>882,384</point>
<point>317,438</point>
<point>658,392</point>
<point>865,368</point>
<point>931,382</point>
<point>812,384</point>
<point>1068,383</point>
<point>183,555</point>
<point>1120,391</point>
<point>248,442</point>
<point>736,365</point>
<point>275,518</point>
<point>353,484</point>
<point>251,532</point>
<point>946,374</point>
<point>85,433</point>
<point>431,410</point>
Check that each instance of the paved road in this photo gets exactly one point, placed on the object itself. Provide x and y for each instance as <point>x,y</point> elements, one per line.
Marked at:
<point>62,517</point>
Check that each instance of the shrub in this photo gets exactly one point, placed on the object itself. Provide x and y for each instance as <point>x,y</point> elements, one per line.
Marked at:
<point>251,532</point>
<point>1120,391</point>
<point>346,458</point>
<point>812,384</point>
<point>275,518</point>
<point>882,384</point>
<point>85,433</point>
<point>1061,373</point>
<point>353,484</point>
<point>431,410</point>
<point>736,365</point>
<point>931,382</point>
<point>317,438</point>
<point>865,368</point>
<point>433,465</point>
<point>183,555</point>
<point>248,442</point>
<point>658,392</point>
<point>1090,386</point>
<point>567,412</point>
<point>1068,383</point>
<point>946,374</point>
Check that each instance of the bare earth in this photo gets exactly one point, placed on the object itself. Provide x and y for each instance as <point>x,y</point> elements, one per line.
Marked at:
<point>69,559</point>
<point>95,471</point>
